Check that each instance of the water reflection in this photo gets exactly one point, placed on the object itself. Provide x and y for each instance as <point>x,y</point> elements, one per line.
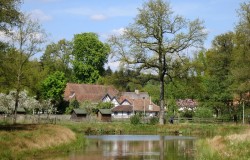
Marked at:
<point>150,147</point>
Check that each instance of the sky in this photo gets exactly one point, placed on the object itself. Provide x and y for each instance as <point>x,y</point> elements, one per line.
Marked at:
<point>61,19</point>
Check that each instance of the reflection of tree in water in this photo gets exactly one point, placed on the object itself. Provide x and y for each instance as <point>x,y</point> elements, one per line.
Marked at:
<point>179,149</point>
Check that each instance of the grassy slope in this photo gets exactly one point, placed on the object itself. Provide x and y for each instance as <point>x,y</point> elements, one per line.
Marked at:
<point>18,139</point>
<point>229,147</point>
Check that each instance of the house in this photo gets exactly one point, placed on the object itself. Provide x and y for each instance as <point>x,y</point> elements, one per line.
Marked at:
<point>125,103</point>
<point>78,114</point>
<point>104,115</point>
<point>134,103</point>
<point>186,104</point>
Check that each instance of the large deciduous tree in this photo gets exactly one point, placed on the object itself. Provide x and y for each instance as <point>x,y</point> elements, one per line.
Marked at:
<point>155,41</point>
<point>90,55</point>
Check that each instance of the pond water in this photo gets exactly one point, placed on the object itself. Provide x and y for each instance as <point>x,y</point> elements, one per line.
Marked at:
<point>137,147</point>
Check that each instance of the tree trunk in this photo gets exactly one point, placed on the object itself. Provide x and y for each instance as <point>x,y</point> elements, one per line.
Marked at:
<point>16,106</point>
<point>162,103</point>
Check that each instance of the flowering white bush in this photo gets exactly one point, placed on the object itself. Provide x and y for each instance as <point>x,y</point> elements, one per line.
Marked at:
<point>7,102</point>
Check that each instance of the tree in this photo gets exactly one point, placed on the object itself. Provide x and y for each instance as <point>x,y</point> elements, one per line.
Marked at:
<point>9,14</point>
<point>7,101</point>
<point>25,42</point>
<point>241,58</point>
<point>53,87</point>
<point>89,57</point>
<point>155,41</point>
<point>57,57</point>
<point>217,78</point>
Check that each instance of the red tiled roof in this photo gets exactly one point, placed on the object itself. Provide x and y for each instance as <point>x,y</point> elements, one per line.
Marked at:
<point>90,92</point>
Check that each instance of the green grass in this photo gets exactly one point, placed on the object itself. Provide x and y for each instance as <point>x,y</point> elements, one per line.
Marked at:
<point>228,147</point>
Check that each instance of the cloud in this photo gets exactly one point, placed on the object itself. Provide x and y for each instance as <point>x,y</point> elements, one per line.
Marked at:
<point>40,15</point>
<point>119,31</point>
<point>98,17</point>
<point>114,65</point>
<point>98,14</point>
<point>107,35</point>
<point>4,37</point>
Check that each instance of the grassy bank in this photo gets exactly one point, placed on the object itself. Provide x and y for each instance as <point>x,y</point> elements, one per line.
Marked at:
<point>193,129</point>
<point>18,141</point>
<point>229,147</point>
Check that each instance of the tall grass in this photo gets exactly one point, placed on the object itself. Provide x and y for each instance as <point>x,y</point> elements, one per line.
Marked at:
<point>19,139</point>
<point>230,147</point>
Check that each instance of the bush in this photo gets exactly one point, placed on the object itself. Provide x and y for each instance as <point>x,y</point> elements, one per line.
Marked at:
<point>135,120</point>
<point>187,114</point>
<point>203,112</point>
<point>154,120</point>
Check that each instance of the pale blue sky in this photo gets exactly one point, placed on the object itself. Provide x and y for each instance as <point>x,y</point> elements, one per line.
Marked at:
<point>64,18</point>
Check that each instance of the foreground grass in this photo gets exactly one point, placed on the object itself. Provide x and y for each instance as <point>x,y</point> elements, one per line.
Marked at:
<point>229,147</point>
<point>18,141</point>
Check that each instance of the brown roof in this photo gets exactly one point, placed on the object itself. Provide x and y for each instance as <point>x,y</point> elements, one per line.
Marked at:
<point>124,108</point>
<point>90,92</point>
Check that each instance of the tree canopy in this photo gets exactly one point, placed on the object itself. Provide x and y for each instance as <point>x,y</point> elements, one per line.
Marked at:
<point>89,57</point>
<point>9,14</point>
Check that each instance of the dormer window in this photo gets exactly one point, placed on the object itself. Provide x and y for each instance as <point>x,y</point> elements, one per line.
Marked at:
<point>72,94</point>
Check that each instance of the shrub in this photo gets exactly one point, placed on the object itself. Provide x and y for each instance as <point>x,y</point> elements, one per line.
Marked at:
<point>153,120</point>
<point>135,120</point>
<point>203,112</point>
<point>186,113</point>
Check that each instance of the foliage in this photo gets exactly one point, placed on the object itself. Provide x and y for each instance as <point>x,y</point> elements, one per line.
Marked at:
<point>187,113</point>
<point>155,42</point>
<point>202,112</point>
<point>72,105</point>
<point>53,87</point>
<point>241,59</point>
<point>90,55</point>
<point>104,105</point>
<point>9,14</point>
<point>153,120</point>
<point>58,57</point>
<point>171,107</point>
<point>89,107</point>
<point>135,119</point>
<point>7,101</point>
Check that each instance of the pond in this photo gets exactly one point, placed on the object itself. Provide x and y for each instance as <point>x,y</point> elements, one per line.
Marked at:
<point>137,147</point>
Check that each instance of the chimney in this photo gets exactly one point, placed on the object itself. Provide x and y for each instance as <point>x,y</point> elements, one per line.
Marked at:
<point>137,91</point>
